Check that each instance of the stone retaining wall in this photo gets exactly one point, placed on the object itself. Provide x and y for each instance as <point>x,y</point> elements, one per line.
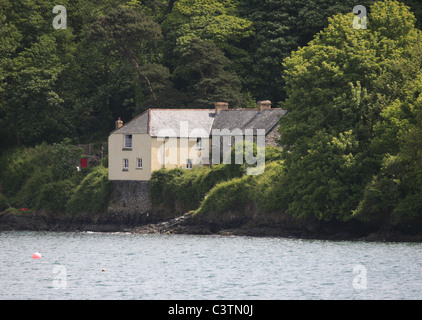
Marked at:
<point>130,198</point>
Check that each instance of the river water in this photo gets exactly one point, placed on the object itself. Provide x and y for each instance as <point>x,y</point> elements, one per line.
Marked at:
<point>85,265</point>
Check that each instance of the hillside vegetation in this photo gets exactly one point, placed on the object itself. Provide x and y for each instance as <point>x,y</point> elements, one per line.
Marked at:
<point>46,179</point>
<point>352,137</point>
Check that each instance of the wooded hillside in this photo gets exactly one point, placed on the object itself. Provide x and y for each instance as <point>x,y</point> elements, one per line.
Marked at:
<point>120,57</point>
<point>352,136</point>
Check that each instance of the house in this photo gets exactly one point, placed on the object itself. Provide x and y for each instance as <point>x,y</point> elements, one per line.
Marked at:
<point>170,138</point>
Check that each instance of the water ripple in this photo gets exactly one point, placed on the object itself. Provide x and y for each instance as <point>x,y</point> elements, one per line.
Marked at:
<point>128,266</point>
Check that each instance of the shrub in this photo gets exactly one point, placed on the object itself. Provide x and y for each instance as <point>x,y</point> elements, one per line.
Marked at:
<point>160,185</point>
<point>226,196</point>
<point>92,194</point>
<point>19,164</point>
<point>55,195</point>
<point>29,193</point>
<point>64,159</point>
<point>4,204</point>
<point>266,191</point>
<point>185,189</point>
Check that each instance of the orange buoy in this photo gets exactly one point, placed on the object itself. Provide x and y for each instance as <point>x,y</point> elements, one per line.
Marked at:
<point>36,255</point>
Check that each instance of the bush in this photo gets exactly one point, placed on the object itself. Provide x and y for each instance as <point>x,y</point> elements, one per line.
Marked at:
<point>224,187</point>
<point>93,194</point>
<point>19,164</point>
<point>183,190</point>
<point>233,195</point>
<point>161,180</point>
<point>4,204</point>
<point>410,207</point>
<point>227,196</point>
<point>267,189</point>
<point>45,178</point>
<point>64,159</point>
<point>55,195</point>
<point>28,195</point>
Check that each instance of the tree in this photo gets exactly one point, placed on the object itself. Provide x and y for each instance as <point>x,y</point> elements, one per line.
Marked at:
<point>125,33</point>
<point>340,88</point>
<point>280,27</point>
<point>33,108</point>
<point>192,28</point>
<point>166,94</point>
<point>10,41</point>
<point>395,192</point>
<point>205,69</point>
<point>35,57</point>
<point>416,8</point>
<point>209,20</point>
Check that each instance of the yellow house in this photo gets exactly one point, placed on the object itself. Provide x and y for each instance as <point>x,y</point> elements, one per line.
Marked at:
<point>170,138</point>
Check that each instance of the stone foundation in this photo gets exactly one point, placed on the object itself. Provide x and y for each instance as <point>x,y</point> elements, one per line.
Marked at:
<point>130,198</point>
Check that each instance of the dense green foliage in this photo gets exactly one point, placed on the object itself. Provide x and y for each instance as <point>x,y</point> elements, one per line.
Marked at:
<point>352,136</point>
<point>118,57</point>
<point>180,190</point>
<point>236,194</point>
<point>216,189</point>
<point>45,178</point>
<point>92,194</point>
<point>354,104</point>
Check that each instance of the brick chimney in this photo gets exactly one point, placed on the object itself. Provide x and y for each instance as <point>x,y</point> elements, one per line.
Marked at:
<point>221,106</point>
<point>264,105</point>
<point>119,123</point>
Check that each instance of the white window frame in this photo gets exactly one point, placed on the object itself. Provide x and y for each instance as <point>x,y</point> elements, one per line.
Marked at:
<point>138,161</point>
<point>125,164</point>
<point>189,163</point>
<point>128,141</point>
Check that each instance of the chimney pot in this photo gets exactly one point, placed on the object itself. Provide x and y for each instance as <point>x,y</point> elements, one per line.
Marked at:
<point>221,106</point>
<point>264,105</point>
<point>119,123</point>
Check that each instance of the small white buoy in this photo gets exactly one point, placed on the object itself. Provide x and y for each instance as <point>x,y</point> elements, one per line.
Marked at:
<point>36,255</point>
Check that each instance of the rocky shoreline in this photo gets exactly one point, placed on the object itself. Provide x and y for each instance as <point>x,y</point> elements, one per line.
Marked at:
<point>186,224</point>
<point>182,225</point>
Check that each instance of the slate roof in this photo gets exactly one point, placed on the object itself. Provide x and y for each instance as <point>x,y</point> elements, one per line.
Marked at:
<point>139,124</point>
<point>182,123</point>
<point>248,119</point>
<point>199,122</point>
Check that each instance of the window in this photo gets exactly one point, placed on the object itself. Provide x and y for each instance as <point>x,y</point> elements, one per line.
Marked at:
<point>188,163</point>
<point>125,164</point>
<point>198,143</point>
<point>139,163</point>
<point>128,141</point>
<point>229,140</point>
